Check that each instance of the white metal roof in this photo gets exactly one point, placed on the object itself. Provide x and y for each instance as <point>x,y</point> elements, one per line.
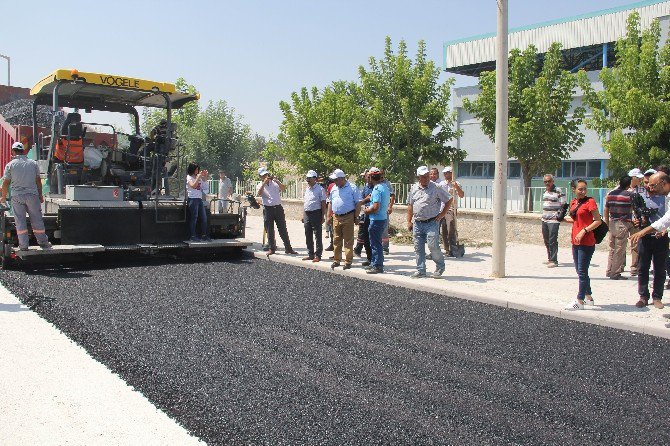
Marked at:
<point>575,32</point>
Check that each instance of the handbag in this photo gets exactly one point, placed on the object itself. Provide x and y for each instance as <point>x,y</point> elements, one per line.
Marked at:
<point>601,231</point>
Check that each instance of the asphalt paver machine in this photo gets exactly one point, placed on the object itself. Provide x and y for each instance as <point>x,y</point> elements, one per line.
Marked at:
<point>112,192</point>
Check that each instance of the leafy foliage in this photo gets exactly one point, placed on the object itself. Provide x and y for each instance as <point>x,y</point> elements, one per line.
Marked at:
<point>395,117</point>
<point>632,112</point>
<point>542,128</point>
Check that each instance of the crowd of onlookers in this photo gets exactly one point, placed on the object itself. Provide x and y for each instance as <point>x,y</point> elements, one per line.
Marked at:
<point>342,206</point>
<point>634,211</point>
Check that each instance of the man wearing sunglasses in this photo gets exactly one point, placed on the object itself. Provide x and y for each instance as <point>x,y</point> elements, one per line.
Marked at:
<point>553,200</point>
<point>653,245</point>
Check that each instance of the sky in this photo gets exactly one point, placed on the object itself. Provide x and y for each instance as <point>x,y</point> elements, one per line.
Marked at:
<point>252,53</point>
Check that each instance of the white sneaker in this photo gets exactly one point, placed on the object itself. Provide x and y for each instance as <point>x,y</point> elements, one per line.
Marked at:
<point>551,265</point>
<point>574,306</point>
<point>547,262</point>
<point>589,302</point>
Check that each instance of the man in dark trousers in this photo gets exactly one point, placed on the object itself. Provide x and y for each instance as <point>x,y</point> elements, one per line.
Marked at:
<point>315,214</point>
<point>270,192</point>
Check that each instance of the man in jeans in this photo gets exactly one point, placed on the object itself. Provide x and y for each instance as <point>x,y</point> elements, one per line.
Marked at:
<point>617,216</point>
<point>552,202</point>
<point>23,176</point>
<point>423,217</point>
<point>378,214</point>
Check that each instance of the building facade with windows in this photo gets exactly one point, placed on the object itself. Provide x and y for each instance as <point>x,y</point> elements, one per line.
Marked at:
<point>588,43</point>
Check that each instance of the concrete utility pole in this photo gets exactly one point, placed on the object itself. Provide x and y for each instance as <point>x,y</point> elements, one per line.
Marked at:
<point>500,183</point>
<point>9,83</point>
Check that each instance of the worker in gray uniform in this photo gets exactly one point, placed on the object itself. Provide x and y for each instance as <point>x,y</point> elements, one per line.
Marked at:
<point>23,176</point>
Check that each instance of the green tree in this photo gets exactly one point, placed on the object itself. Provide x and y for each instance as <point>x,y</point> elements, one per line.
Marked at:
<point>407,112</point>
<point>542,128</point>
<point>632,112</point>
<point>219,139</point>
<point>324,130</point>
<point>396,117</point>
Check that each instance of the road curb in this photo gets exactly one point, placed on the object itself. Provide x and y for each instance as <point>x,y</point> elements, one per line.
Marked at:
<point>396,280</point>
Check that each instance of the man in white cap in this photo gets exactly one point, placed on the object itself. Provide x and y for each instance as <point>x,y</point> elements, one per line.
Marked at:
<point>270,192</point>
<point>345,204</point>
<point>448,225</point>
<point>636,187</point>
<point>315,215</point>
<point>427,203</point>
<point>23,176</point>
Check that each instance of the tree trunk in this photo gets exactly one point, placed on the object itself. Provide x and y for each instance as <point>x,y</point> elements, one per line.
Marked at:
<point>527,191</point>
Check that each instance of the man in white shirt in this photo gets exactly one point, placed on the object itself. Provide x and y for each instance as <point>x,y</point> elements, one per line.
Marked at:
<point>315,215</point>
<point>225,191</point>
<point>270,192</point>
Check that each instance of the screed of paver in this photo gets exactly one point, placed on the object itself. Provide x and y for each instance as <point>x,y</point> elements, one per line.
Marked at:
<point>52,392</point>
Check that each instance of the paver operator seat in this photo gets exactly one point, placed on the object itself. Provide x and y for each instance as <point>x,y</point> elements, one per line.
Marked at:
<point>70,145</point>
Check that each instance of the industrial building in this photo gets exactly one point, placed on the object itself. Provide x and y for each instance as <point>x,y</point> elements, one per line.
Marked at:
<point>588,43</point>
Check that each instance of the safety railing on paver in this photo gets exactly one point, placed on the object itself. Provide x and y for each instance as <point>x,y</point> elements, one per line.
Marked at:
<point>519,199</point>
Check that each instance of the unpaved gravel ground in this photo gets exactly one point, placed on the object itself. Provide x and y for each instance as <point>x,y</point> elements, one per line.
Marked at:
<point>258,352</point>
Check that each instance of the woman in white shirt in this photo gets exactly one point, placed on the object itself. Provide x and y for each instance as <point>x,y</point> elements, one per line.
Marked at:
<point>196,185</point>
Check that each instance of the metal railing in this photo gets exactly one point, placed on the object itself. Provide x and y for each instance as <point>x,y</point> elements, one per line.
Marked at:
<point>480,197</point>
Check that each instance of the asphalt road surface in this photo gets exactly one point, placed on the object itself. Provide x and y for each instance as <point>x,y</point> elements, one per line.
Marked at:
<point>258,352</point>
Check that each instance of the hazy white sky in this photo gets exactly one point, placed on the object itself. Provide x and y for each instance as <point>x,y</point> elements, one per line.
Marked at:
<point>250,53</point>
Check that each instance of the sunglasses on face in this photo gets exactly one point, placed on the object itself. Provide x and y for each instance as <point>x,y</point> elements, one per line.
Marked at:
<point>654,185</point>
<point>547,181</point>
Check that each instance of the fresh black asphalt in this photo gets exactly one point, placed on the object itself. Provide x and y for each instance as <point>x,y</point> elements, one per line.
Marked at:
<point>257,352</point>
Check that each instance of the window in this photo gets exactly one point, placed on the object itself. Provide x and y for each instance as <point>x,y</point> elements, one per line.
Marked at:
<point>594,169</point>
<point>463,169</point>
<point>514,170</point>
<point>579,169</point>
<point>477,170</point>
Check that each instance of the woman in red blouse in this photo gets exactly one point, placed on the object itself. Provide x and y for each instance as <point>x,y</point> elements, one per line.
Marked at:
<point>584,217</point>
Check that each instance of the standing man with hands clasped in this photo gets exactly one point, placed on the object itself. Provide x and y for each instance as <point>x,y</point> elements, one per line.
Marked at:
<point>345,204</point>
<point>314,217</point>
<point>270,192</point>
<point>23,176</point>
<point>423,218</point>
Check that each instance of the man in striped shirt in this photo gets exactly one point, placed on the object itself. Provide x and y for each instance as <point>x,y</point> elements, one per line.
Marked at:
<point>552,202</point>
<point>617,215</point>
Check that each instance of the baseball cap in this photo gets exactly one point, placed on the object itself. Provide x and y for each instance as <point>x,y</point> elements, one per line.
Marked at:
<point>18,147</point>
<point>263,171</point>
<point>338,173</point>
<point>649,172</point>
<point>374,170</point>
<point>421,171</point>
<point>446,169</point>
<point>635,173</point>
<point>311,174</point>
